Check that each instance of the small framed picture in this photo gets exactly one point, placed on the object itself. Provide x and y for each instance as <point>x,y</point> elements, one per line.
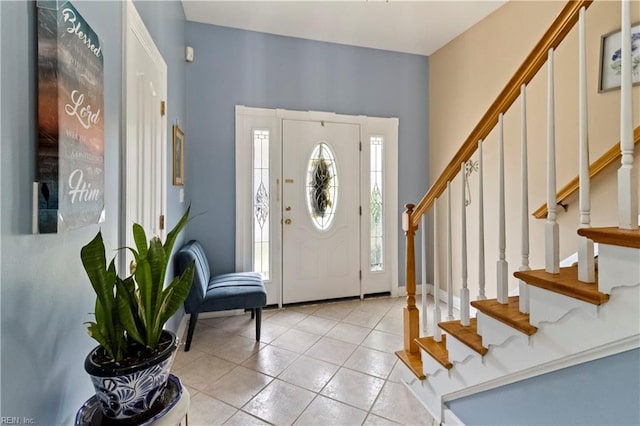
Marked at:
<point>611,59</point>
<point>178,156</point>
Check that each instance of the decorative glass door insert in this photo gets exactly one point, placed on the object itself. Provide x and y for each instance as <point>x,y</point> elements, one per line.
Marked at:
<point>322,186</point>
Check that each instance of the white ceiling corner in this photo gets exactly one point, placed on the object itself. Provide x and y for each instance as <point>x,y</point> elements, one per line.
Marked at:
<point>419,27</point>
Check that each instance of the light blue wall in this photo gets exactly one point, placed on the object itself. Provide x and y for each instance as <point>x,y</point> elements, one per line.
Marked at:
<point>601,392</point>
<point>260,70</point>
<point>45,295</point>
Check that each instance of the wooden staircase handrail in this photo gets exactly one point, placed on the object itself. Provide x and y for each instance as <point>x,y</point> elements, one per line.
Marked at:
<point>595,168</point>
<point>551,39</point>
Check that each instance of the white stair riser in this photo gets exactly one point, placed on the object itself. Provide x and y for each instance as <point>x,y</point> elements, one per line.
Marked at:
<point>495,332</point>
<point>614,267</point>
<point>429,365</point>
<point>458,351</point>
<point>546,306</point>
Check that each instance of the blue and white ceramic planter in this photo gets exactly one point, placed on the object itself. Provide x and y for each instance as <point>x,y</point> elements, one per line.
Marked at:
<point>126,392</point>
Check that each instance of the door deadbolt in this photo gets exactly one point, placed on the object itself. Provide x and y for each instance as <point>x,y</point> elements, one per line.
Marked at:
<point>288,208</point>
<point>287,221</point>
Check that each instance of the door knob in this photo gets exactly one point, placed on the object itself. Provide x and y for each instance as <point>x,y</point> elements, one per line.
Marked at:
<point>287,221</point>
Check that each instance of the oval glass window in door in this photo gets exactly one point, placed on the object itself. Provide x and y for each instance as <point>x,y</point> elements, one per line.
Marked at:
<point>322,186</point>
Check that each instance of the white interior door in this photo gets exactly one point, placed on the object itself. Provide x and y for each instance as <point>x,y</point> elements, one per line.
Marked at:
<point>145,152</point>
<point>321,210</point>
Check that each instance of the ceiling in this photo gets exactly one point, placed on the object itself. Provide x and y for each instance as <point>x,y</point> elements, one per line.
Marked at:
<point>419,27</point>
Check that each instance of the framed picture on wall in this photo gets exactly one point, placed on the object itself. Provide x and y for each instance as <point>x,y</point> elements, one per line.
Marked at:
<point>178,156</point>
<point>611,59</point>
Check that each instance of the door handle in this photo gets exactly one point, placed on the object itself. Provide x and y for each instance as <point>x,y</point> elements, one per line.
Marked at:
<point>287,221</point>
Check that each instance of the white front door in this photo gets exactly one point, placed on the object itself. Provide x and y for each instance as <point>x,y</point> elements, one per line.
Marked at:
<point>145,151</point>
<point>320,210</point>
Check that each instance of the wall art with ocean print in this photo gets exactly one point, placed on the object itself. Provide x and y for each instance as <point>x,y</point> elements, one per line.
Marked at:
<point>70,168</point>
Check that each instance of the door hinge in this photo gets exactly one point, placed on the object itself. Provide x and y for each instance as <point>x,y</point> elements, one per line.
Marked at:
<point>360,210</point>
<point>163,107</point>
<point>161,222</point>
<point>360,146</point>
<point>360,274</point>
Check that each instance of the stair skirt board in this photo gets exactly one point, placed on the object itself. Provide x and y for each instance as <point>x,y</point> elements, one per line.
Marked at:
<point>576,337</point>
<point>428,391</point>
<point>567,325</point>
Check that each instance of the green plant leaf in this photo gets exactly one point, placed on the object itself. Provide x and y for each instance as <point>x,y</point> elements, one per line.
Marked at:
<point>140,239</point>
<point>103,281</point>
<point>127,312</point>
<point>157,264</point>
<point>145,289</point>
<point>95,333</point>
<point>173,234</point>
<point>175,294</point>
<point>95,263</point>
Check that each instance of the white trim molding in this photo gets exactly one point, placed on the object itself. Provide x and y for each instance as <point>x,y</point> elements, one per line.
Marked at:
<point>248,119</point>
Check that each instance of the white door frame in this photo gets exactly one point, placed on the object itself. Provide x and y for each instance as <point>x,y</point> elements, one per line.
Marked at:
<point>248,119</point>
<point>133,26</point>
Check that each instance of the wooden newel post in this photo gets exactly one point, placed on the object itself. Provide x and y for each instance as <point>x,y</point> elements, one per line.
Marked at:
<point>411,315</point>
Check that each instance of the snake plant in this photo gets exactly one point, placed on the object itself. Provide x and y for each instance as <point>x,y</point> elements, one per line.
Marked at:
<point>132,311</point>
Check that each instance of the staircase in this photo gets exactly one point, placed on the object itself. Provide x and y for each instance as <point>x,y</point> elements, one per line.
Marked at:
<point>562,316</point>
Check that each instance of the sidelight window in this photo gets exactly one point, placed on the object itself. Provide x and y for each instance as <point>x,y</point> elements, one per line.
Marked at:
<point>376,205</point>
<point>261,234</point>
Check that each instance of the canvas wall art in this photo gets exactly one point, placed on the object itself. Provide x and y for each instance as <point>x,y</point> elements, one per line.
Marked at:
<point>70,166</point>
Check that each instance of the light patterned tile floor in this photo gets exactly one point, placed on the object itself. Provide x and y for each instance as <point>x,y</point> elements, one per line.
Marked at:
<point>321,364</point>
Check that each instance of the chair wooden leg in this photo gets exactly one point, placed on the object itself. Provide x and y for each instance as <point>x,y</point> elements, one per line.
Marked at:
<point>192,326</point>
<point>258,312</point>
<point>253,313</point>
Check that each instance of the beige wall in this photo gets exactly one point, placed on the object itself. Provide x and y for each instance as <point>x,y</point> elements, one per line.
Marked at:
<point>466,75</point>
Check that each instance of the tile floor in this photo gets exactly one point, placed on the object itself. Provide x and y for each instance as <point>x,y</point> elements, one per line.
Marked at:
<point>322,364</point>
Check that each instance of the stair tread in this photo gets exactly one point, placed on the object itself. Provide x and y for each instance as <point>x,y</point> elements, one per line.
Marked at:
<point>613,236</point>
<point>565,283</point>
<point>437,350</point>
<point>509,313</point>
<point>466,334</point>
<point>413,361</point>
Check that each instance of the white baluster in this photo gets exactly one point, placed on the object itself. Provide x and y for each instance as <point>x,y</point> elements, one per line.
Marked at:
<point>481,274</point>
<point>502,265</point>
<point>523,286</point>
<point>437,333</point>
<point>423,242</point>
<point>552,244</point>
<point>627,180</point>
<point>449,258</point>
<point>464,293</point>
<point>586,264</point>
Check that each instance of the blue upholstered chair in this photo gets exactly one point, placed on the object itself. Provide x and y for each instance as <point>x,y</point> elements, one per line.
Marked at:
<point>237,290</point>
